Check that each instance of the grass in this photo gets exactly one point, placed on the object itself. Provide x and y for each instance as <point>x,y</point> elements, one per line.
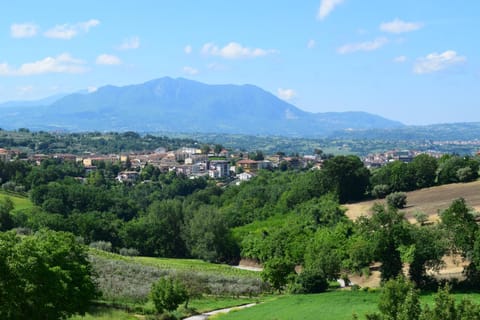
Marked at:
<point>19,202</point>
<point>180,265</point>
<point>101,313</point>
<point>335,305</point>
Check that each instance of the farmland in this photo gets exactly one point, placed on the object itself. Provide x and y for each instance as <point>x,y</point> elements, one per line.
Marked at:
<point>428,200</point>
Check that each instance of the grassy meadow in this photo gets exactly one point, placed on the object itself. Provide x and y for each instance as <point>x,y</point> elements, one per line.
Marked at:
<point>19,202</point>
<point>334,305</point>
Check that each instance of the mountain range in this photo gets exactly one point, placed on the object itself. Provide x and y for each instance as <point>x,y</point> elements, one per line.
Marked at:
<point>181,105</point>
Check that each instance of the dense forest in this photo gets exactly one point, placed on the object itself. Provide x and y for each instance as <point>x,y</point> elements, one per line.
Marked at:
<point>281,218</point>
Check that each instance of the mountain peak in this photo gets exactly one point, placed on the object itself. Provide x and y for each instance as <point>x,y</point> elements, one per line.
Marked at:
<point>183,105</point>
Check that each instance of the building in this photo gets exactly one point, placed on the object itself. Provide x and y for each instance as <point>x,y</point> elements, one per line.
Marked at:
<point>248,165</point>
<point>219,169</point>
<point>128,176</point>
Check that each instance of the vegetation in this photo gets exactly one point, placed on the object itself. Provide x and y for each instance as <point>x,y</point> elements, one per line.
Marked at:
<point>290,220</point>
<point>46,275</point>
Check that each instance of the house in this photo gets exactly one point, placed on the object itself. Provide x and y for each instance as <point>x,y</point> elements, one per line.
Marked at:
<point>245,176</point>
<point>5,155</point>
<point>128,176</point>
<point>248,165</point>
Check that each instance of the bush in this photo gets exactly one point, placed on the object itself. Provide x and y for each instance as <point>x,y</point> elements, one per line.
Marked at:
<point>310,281</point>
<point>380,191</point>
<point>397,200</point>
<point>167,294</point>
<point>128,252</point>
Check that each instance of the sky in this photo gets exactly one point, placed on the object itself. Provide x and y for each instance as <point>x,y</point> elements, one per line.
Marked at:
<point>415,61</point>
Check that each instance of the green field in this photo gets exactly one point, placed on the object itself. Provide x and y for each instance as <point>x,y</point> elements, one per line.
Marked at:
<point>335,305</point>
<point>19,202</point>
<point>181,265</point>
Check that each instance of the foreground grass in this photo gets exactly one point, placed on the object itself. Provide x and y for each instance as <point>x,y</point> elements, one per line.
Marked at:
<point>335,305</point>
<point>101,313</point>
<point>198,305</point>
<point>19,202</point>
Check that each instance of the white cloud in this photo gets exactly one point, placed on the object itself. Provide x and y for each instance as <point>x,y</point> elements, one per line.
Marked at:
<point>399,26</point>
<point>234,50</point>
<point>108,59</point>
<point>91,89</point>
<point>23,30</point>
<point>437,61</point>
<point>190,71</point>
<point>68,31</point>
<point>130,43</point>
<point>363,46</point>
<point>400,59</point>
<point>326,7</point>
<point>311,44</point>
<point>63,63</point>
<point>286,94</point>
<point>188,49</point>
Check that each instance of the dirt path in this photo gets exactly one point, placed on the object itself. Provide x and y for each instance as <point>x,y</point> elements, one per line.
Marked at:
<point>206,315</point>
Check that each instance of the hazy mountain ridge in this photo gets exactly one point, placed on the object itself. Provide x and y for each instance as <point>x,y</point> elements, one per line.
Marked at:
<point>181,105</point>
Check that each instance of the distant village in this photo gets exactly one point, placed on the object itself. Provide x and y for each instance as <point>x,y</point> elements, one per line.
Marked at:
<point>193,162</point>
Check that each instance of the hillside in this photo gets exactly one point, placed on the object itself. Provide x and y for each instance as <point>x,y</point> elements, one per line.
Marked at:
<point>181,105</point>
<point>429,200</point>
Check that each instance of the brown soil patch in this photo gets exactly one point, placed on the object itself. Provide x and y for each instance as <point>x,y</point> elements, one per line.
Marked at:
<point>430,200</point>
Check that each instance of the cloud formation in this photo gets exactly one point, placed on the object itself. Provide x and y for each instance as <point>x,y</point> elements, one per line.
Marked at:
<point>286,94</point>
<point>399,26</point>
<point>108,59</point>
<point>190,71</point>
<point>437,61</point>
<point>63,63</point>
<point>23,30</point>
<point>363,46</point>
<point>69,31</point>
<point>188,49</point>
<point>311,44</point>
<point>234,50</point>
<point>326,7</point>
<point>130,43</point>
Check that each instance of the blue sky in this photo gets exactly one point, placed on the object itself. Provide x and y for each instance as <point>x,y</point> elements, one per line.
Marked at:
<point>413,61</point>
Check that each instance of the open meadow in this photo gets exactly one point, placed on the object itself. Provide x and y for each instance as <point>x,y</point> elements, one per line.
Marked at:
<point>19,202</point>
<point>334,305</point>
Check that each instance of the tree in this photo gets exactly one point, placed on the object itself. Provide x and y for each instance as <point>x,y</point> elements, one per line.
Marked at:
<point>460,227</point>
<point>6,219</point>
<point>167,294</point>
<point>399,297</point>
<point>347,177</point>
<point>207,236</point>
<point>44,276</point>
<point>425,170</point>
<point>388,230</point>
<point>427,251</point>
<point>276,271</point>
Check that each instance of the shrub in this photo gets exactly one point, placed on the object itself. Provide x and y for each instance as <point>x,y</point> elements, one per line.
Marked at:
<point>310,281</point>
<point>128,252</point>
<point>397,200</point>
<point>380,191</point>
<point>167,294</point>
<point>101,245</point>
